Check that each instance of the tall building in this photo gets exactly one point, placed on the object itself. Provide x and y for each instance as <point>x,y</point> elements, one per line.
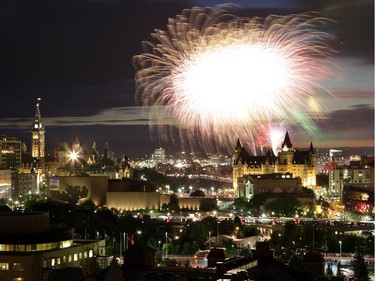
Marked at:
<point>10,153</point>
<point>37,137</point>
<point>159,155</point>
<point>5,183</point>
<point>354,173</point>
<point>24,184</point>
<point>298,163</point>
<point>106,152</point>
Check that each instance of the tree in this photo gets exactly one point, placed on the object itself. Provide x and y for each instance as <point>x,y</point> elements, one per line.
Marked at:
<point>255,202</point>
<point>231,248</point>
<point>190,248</point>
<point>287,243</point>
<point>154,178</point>
<point>250,231</point>
<point>3,201</point>
<point>241,203</point>
<point>71,194</point>
<point>32,199</point>
<point>197,192</point>
<point>284,206</point>
<point>359,266</point>
<point>172,206</point>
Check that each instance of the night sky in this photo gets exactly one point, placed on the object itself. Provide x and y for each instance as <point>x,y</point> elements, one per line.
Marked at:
<point>77,56</point>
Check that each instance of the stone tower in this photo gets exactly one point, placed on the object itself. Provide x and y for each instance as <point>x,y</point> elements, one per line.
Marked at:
<point>38,137</point>
<point>287,151</point>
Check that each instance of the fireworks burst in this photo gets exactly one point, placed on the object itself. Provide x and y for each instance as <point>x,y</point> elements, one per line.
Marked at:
<point>222,77</point>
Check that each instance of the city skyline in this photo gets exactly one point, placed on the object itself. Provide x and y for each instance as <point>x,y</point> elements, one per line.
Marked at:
<point>76,56</point>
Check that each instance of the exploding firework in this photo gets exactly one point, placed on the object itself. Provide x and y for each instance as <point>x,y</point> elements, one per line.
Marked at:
<point>222,77</point>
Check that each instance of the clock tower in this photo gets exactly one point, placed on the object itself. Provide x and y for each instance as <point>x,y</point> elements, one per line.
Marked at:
<point>37,137</point>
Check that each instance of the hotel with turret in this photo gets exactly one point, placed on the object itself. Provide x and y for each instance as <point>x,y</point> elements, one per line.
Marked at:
<point>294,167</point>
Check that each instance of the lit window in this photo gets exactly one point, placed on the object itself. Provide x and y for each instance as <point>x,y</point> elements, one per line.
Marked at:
<point>52,262</point>
<point>17,266</point>
<point>75,257</point>
<point>70,258</point>
<point>58,261</point>
<point>85,255</point>
<point>91,254</point>
<point>80,256</point>
<point>4,266</point>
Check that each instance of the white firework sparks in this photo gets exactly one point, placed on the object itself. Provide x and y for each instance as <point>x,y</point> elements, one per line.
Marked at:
<point>223,77</point>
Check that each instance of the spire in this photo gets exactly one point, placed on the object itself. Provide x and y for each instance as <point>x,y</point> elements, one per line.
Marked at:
<point>75,138</point>
<point>75,141</point>
<point>106,150</point>
<point>37,122</point>
<point>270,154</point>
<point>311,149</point>
<point>238,146</point>
<point>94,147</point>
<point>287,143</point>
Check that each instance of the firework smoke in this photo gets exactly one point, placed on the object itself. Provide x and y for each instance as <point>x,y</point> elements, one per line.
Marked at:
<point>221,77</point>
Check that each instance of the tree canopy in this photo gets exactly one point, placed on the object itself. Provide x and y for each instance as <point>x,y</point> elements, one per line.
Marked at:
<point>284,206</point>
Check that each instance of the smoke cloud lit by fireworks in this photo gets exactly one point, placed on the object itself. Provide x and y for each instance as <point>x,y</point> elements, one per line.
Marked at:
<point>222,77</point>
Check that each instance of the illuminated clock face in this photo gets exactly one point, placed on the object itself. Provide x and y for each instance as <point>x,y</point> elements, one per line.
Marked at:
<point>36,126</point>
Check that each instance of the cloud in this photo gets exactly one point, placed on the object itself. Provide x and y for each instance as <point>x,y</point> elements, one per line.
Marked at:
<point>356,124</point>
<point>124,116</point>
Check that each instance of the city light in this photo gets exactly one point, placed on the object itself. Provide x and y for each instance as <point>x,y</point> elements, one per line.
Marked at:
<point>73,156</point>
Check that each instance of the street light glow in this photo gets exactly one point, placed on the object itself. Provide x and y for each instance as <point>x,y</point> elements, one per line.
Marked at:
<point>73,155</point>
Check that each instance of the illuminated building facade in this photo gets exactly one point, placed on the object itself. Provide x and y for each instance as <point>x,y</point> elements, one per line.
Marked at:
<point>38,137</point>
<point>11,153</point>
<point>75,156</point>
<point>30,250</point>
<point>354,173</point>
<point>24,184</point>
<point>358,198</point>
<point>250,185</point>
<point>300,164</point>
<point>159,155</point>
<point>6,183</point>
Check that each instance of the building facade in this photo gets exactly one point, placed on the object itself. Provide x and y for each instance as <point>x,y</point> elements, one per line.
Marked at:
<point>251,185</point>
<point>31,251</point>
<point>24,184</point>
<point>159,155</point>
<point>358,198</point>
<point>11,153</point>
<point>300,164</point>
<point>354,173</point>
<point>6,183</point>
